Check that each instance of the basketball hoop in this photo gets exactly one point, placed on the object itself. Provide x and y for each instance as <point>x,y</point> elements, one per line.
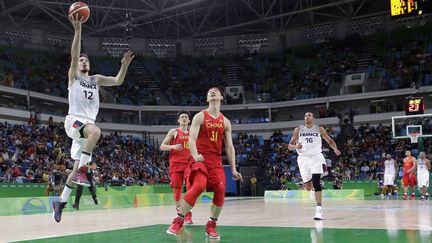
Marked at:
<point>414,132</point>
<point>414,136</point>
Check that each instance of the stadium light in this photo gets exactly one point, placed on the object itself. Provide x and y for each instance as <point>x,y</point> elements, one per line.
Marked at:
<point>318,33</point>
<point>58,40</point>
<point>253,42</point>
<point>366,26</point>
<point>209,44</point>
<point>160,47</point>
<point>115,46</point>
<point>14,34</point>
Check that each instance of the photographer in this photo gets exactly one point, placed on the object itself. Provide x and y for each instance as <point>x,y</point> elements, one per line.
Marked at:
<point>337,181</point>
<point>55,184</point>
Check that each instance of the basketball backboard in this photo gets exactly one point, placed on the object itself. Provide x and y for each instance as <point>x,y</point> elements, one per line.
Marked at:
<point>402,125</point>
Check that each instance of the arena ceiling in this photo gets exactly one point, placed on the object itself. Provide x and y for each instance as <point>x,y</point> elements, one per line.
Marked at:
<point>184,18</point>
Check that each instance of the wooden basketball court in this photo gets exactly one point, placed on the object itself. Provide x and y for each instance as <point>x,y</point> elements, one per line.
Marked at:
<point>242,220</point>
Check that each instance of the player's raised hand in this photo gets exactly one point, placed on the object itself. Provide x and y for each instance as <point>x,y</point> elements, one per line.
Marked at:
<point>178,147</point>
<point>76,22</point>
<point>199,158</point>
<point>299,146</point>
<point>337,152</point>
<point>236,175</point>
<point>127,58</point>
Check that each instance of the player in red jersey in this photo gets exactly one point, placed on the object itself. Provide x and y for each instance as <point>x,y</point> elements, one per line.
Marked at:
<point>408,178</point>
<point>209,127</point>
<point>177,142</point>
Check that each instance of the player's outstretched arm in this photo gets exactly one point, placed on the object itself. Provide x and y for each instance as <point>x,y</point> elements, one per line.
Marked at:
<point>119,79</point>
<point>230,151</point>
<point>329,140</point>
<point>75,48</point>
<point>293,142</point>
<point>166,146</point>
<point>396,168</point>
<point>197,121</point>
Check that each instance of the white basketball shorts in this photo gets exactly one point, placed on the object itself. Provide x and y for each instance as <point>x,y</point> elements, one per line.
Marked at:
<point>310,164</point>
<point>73,125</point>
<point>423,179</point>
<point>389,179</point>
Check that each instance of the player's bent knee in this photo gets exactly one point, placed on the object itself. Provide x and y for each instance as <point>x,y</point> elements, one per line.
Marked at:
<point>96,131</point>
<point>194,192</point>
<point>219,195</point>
<point>91,130</point>
<point>316,182</point>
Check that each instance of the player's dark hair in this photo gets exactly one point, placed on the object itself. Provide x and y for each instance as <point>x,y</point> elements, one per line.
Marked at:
<point>84,55</point>
<point>183,112</point>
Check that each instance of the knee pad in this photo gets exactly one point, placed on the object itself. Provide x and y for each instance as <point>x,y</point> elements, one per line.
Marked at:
<point>219,195</point>
<point>316,182</point>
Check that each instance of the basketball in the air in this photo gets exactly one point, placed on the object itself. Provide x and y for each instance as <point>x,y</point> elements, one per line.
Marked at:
<point>81,9</point>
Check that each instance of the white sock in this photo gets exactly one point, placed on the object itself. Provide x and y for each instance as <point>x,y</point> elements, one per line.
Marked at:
<point>65,194</point>
<point>85,157</point>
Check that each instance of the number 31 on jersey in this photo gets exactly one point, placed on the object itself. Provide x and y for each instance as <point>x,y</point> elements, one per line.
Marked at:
<point>214,136</point>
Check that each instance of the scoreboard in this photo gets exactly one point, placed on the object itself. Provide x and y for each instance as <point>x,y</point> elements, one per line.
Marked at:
<point>408,8</point>
<point>414,105</point>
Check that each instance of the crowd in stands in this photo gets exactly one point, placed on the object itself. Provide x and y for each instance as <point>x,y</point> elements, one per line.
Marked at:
<point>31,153</point>
<point>298,73</point>
<point>46,72</point>
<point>402,59</point>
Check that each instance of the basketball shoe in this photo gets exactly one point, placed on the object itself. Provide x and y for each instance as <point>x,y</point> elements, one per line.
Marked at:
<point>318,213</point>
<point>211,230</point>
<point>176,226</point>
<point>188,218</point>
<point>405,196</point>
<point>81,177</point>
<point>58,207</point>
<point>412,197</point>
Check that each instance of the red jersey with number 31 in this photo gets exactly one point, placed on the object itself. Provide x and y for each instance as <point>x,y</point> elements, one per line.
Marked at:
<point>408,164</point>
<point>211,135</point>
<point>183,155</point>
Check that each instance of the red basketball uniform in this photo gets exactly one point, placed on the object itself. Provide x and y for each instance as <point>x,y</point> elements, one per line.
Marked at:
<point>407,179</point>
<point>209,145</point>
<point>179,159</point>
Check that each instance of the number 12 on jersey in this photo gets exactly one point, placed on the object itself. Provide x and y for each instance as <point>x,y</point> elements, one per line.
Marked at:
<point>214,136</point>
<point>88,95</point>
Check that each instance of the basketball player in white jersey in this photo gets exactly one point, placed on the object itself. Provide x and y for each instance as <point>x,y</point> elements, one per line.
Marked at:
<point>307,141</point>
<point>390,169</point>
<point>422,165</point>
<point>83,109</point>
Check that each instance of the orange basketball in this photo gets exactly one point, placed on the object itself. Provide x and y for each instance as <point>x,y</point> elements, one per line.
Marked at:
<point>81,9</point>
